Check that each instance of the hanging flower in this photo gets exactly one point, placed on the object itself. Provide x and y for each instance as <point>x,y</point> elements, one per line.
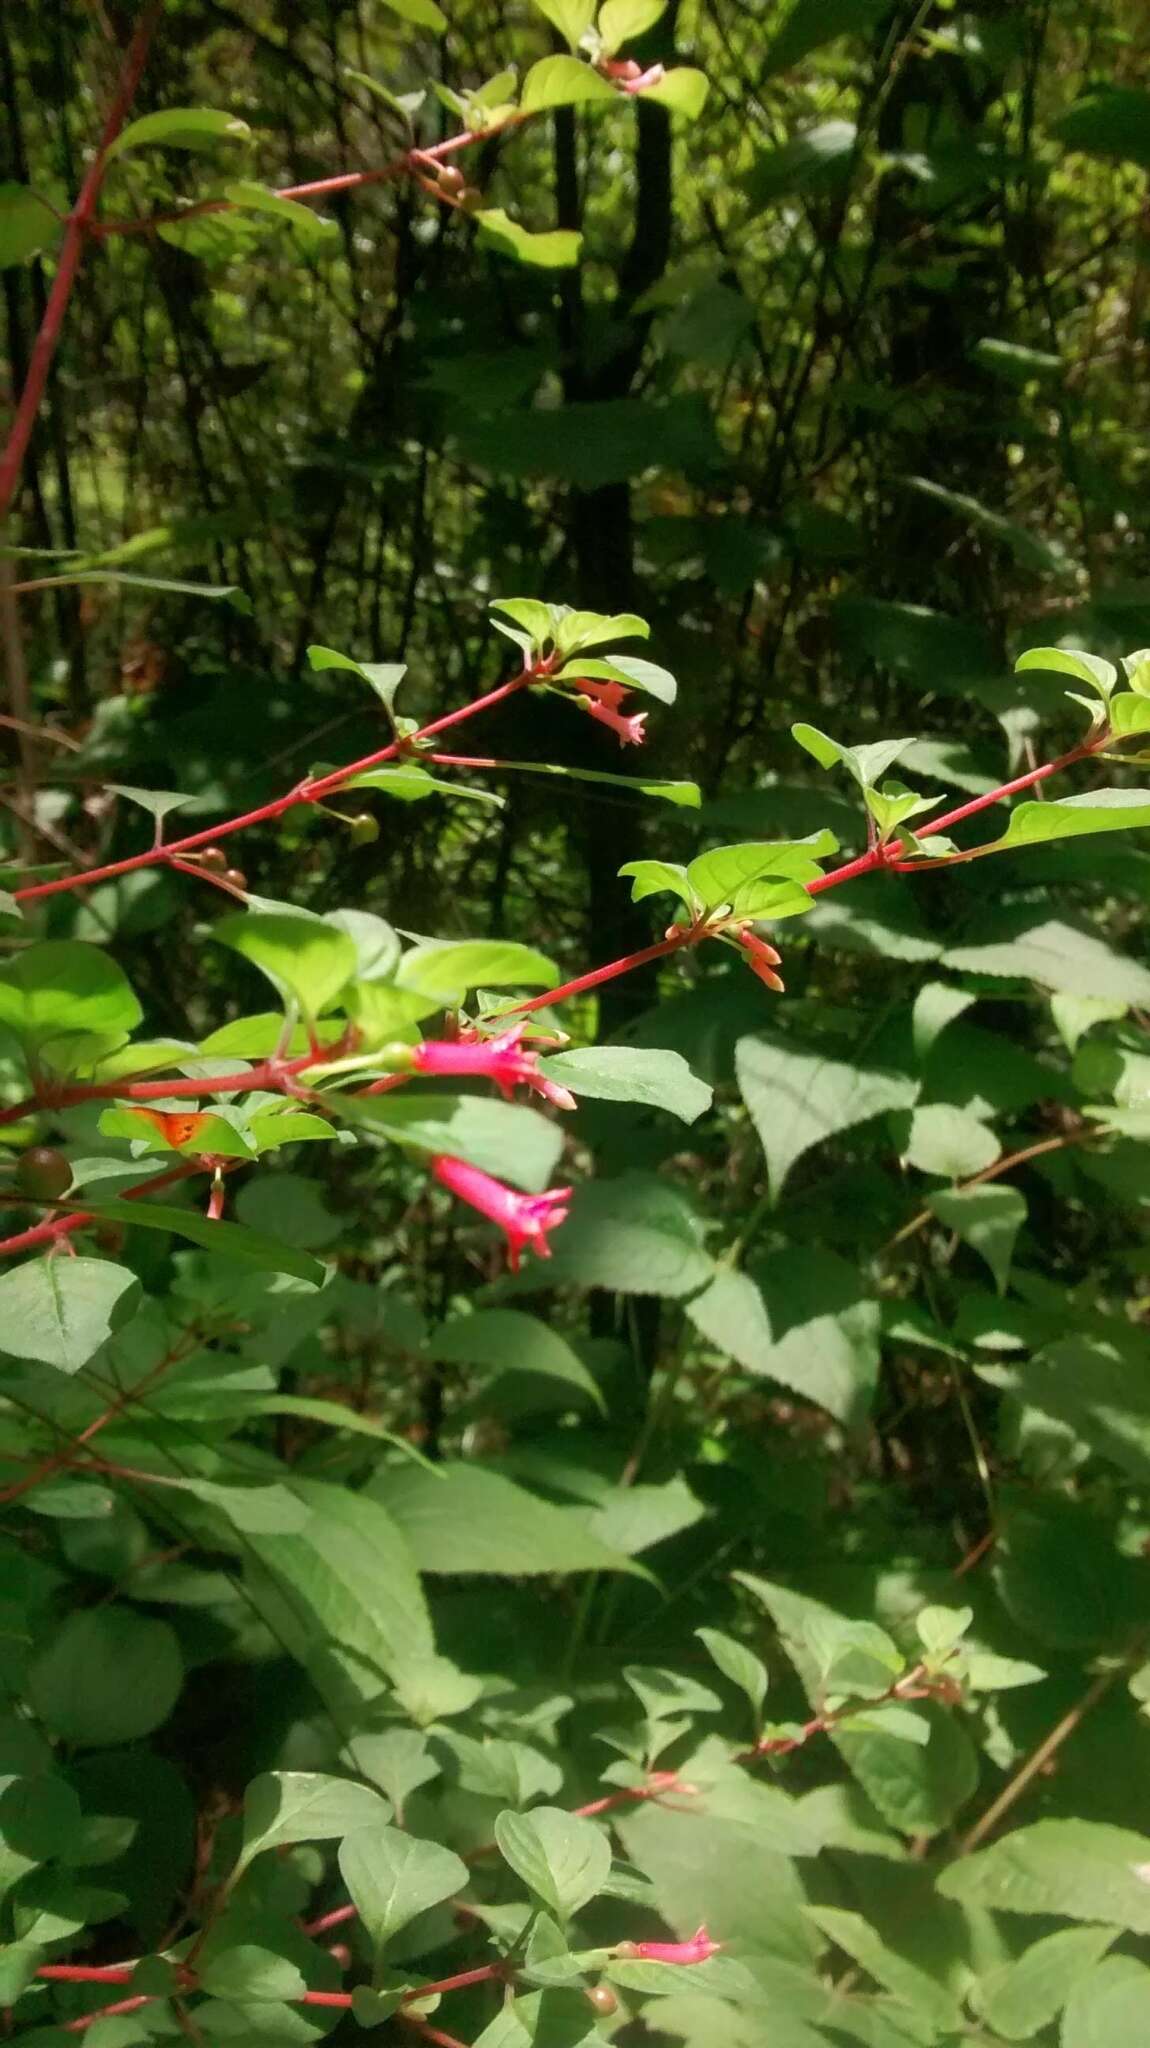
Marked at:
<point>502,1059</point>
<point>696,1950</point>
<point>603,700</point>
<point>524,1219</point>
<point>762,958</point>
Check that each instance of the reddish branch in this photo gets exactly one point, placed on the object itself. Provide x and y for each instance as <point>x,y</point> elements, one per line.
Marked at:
<point>78,227</point>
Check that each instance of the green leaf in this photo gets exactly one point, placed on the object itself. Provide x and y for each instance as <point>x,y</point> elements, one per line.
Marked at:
<point>682,89</point>
<point>905,1980</point>
<point>564,1860</point>
<point>27,224</point>
<point>281,1807</point>
<point>1110,2004</point>
<point>803,1321</point>
<point>728,873</point>
<point>301,956</point>
<point>562,82</point>
<point>738,1664</point>
<point>59,1311</point>
<point>620,21</point>
<point>1075,1869</point>
<point>1054,954</point>
<point>1013,362</point>
<point>863,764</point>
<point>811,23</point>
<point>1114,121</point>
<point>192,128</point>
<point>409,784</point>
<point>384,677</point>
<point>656,878</point>
<point>986,1218</point>
<point>1100,1392</point>
<point>1129,715</point>
<point>1044,557</point>
<point>576,631</point>
<point>343,1595</point>
<point>233,1240</point>
<point>393,1877</point>
<point>311,227</point>
<point>1098,675</point>
<point>572,18</point>
<point>466,1519</point>
<point>950,1142</point>
<point>504,1340</point>
<point>552,249</point>
<point>685,795</point>
<point>502,1138</point>
<point>451,968</point>
<point>625,1073</point>
<point>1021,1997</point>
<point>420,13</point>
<point>63,990</point>
<point>1071,817</point>
<point>106,1676</point>
<point>798,1099</point>
<point>817,157</point>
<point>664,1695</point>
<point>633,1235</point>
<point>628,669</point>
<point>156,801</point>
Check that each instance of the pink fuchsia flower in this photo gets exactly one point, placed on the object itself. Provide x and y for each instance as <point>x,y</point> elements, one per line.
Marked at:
<point>523,1219</point>
<point>626,73</point>
<point>603,700</point>
<point>696,1950</point>
<point>762,959</point>
<point>501,1059</point>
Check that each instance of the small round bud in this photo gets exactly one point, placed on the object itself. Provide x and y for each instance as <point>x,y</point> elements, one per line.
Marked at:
<point>214,859</point>
<point>450,179</point>
<point>364,828</point>
<point>43,1173</point>
<point>470,199</point>
<point>235,878</point>
<point>602,1998</point>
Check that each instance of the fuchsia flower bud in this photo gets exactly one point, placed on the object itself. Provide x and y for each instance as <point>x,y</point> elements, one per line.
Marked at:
<point>762,959</point>
<point>696,1950</point>
<point>602,700</point>
<point>523,1219</point>
<point>501,1059</point>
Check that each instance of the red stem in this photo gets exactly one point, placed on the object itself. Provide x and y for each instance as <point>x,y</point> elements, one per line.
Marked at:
<point>686,935</point>
<point>108,2012</point>
<point>269,1074</point>
<point>68,263</point>
<point>307,792</point>
<point>88,1973</point>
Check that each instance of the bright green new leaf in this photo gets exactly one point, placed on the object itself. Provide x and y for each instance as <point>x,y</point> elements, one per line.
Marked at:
<point>864,764</point>
<point>682,89</point>
<point>572,18</point>
<point>564,1860</point>
<point>685,795</point>
<point>620,21</point>
<point>301,956</point>
<point>628,669</point>
<point>181,128</point>
<point>27,224</point>
<point>384,677</point>
<point>420,13</point>
<point>63,988</point>
<point>1075,1869</point>
<point>1129,714</point>
<point>452,967</point>
<point>1073,817</point>
<point>988,1219</point>
<point>393,1877</point>
<point>552,249</point>
<point>655,877</point>
<point>407,781</point>
<point>723,875</point>
<point>156,801</point>
<point>1098,675</point>
<point>562,82</point>
<point>59,1311</point>
<point>625,1073</point>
